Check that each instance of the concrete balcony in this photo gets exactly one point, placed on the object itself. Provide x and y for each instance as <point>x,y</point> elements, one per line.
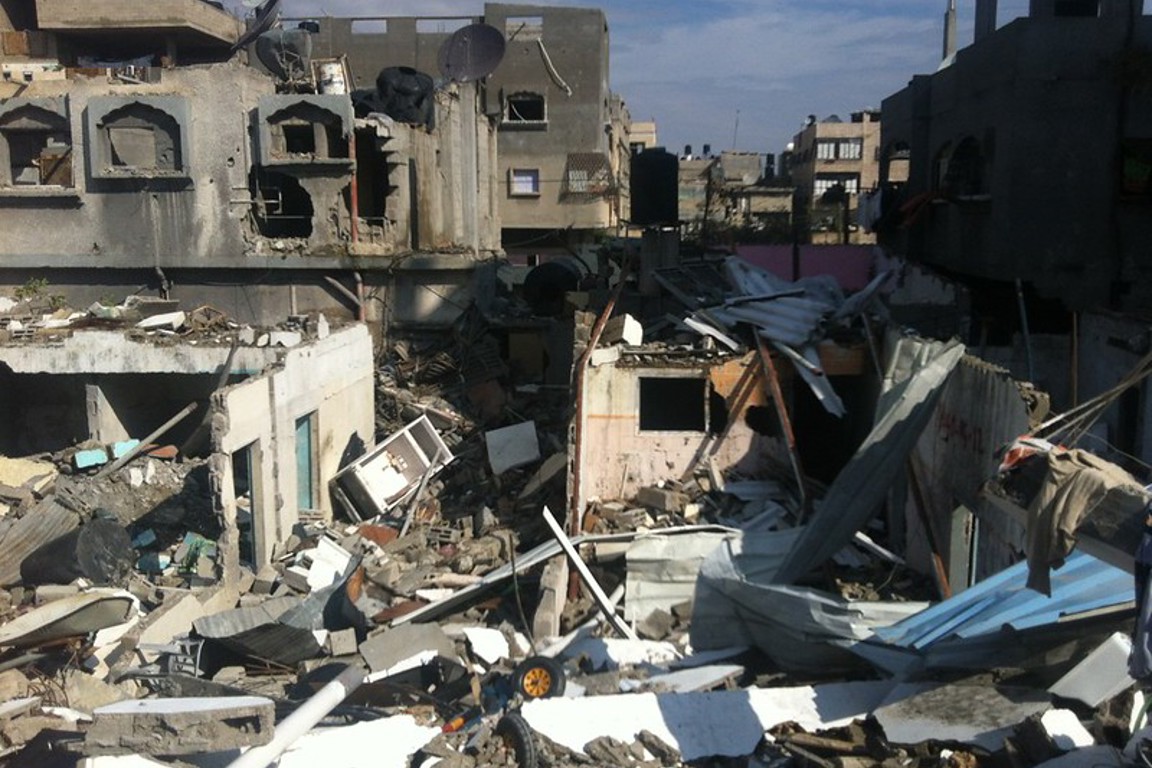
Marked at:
<point>190,22</point>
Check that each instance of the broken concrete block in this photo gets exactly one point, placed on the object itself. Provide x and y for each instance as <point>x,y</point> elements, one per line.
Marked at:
<point>405,647</point>
<point>121,449</point>
<point>488,645</point>
<point>180,726</point>
<point>604,356</point>
<point>89,457</point>
<point>266,580</point>
<point>13,685</point>
<point>169,320</point>
<point>1102,675</point>
<point>296,577</point>
<point>247,335</point>
<point>285,338</point>
<point>27,473</point>
<point>22,730</point>
<point>341,643</point>
<point>87,693</point>
<point>624,328</point>
<point>662,499</point>
<point>658,625</point>
<point>553,598</point>
<point>322,327</point>
<point>512,447</point>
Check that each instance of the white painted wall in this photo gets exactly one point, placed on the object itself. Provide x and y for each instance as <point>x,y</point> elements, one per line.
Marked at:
<point>333,378</point>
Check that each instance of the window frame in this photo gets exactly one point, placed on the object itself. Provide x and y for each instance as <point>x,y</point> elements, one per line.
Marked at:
<point>513,182</point>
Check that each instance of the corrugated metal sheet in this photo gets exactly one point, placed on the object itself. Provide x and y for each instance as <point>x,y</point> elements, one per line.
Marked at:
<point>45,522</point>
<point>861,486</point>
<point>972,628</point>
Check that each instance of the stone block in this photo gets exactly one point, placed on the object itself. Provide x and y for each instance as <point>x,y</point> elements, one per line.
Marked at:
<point>623,329</point>
<point>662,499</point>
<point>341,643</point>
<point>180,726</point>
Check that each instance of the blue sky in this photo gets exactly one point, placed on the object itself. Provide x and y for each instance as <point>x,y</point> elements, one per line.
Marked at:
<point>742,74</point>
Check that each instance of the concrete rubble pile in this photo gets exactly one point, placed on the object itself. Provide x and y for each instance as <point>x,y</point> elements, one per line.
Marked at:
<point>454,611</point>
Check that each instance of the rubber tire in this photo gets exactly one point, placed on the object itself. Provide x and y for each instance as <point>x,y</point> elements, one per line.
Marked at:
<point>518,737</point>
<point>539,677</point>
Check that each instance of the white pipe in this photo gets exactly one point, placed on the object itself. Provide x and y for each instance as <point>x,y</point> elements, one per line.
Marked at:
<point>302,720</point>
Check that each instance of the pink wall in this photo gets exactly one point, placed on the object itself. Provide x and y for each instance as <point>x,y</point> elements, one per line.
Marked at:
<point>851,265</point>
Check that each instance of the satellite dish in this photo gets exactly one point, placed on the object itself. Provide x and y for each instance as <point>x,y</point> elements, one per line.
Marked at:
<point>472,52</point>
<point>266,16</point>
<point>287,53</point>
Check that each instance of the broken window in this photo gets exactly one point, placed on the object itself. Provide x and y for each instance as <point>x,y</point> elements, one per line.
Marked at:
<point>306,468</point>
<point>524,28</point>
<point>306,131</point>
<point>245,484</point>
<point>964,171</point>
<point>524,182</point>
<point>669,404</point>
<point>525,108</point>
<point>38,145</point>
<point>372,183</point>
<point>283,207</point>
<point>138,137</point>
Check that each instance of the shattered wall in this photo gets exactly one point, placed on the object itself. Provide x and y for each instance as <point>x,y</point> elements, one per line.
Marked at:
<point>257,427</point>
<point>205,176</point>
<point>646,422</point>
<point>981,409</point>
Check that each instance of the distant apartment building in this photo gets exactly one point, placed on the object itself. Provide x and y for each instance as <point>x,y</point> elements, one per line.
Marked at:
<point>137,148</point>
<point>732,192</point>
<point>643,136</point>
<point>831,155</point>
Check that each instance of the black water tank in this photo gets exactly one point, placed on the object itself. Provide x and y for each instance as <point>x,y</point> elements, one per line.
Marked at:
<point>655,188</point>
<point>407,96</point>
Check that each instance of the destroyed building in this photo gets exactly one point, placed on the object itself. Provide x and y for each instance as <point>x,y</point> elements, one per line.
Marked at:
<point>334,496</point>
<point>563,136</point>
<point>127,162</point>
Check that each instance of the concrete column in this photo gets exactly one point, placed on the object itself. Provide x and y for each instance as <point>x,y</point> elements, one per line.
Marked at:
<point>1121,8</point>
<point>103,423</point>
<point>985,18</point>
<point>949,31</point>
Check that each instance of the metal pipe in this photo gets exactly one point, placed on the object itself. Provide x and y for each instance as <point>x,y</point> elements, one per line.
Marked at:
<point>362,314</point>
<point>574,510</point>
<point>143,444</point>
<point>302,720</point>
<point>354,189</point>
<point>777,393</point>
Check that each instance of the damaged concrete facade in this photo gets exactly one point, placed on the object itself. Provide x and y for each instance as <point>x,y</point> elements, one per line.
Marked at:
<point>563,139</point>
<point>209,176</point>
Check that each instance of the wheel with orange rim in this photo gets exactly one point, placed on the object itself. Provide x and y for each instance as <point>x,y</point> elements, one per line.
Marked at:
<point>539,677</point>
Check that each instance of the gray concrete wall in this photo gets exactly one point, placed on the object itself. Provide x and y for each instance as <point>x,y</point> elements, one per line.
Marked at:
<point>1043,100</point>
<point>202,222</point>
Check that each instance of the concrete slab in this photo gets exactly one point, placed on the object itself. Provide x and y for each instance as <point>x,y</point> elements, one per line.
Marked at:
<point>385,652</point>
<point>686,680</point>
<point>720,723</point>
<point>489,645</point>
<point>1102,675</point>
<point>972,714</point>
<point>181,726</point>
<point>385,743</point>
<point>512,447</point>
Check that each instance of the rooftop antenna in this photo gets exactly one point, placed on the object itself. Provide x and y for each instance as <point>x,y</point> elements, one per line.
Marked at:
<point>471,53</point>
<point>736,130</point>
